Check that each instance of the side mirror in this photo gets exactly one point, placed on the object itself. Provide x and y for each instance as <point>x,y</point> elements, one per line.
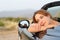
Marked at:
<point>24,24</point>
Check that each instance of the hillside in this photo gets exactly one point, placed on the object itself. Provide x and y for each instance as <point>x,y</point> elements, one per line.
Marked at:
<point>18,13</point>
<point>10,22</point>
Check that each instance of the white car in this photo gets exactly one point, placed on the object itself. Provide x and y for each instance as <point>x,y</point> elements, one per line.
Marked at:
<point>52,34</point>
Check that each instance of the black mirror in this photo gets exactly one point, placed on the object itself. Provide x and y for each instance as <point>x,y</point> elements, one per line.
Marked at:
<point>24,24</point>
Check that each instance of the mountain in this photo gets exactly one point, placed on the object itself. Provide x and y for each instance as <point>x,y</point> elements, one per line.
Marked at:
<point>19,13</point>
<point>27,13</point>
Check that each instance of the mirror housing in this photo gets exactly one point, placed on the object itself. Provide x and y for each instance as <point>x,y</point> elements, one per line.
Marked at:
<point>24,24</point>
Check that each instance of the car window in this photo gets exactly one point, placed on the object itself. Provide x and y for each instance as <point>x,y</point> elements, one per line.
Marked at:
<point>54,11</point>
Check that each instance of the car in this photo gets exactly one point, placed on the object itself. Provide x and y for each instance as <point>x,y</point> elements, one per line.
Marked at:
<point>22,30</point>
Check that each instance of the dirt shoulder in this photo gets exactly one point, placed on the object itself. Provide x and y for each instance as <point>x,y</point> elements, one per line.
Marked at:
<point>9,35</point>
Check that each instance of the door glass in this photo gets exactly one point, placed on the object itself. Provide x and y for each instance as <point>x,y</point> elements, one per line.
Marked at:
<point>55,11</point>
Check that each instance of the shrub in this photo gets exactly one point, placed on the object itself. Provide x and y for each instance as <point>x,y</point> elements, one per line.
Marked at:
<point>1,23</point>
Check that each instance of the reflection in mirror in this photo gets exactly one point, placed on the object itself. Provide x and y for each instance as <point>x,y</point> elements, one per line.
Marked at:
<point>24,24</point>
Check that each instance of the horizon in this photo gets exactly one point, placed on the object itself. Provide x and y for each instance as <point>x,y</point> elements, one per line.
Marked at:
<point>22,8</point>
<point>28,13</point>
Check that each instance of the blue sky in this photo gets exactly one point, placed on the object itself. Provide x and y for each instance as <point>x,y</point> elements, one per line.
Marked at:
<point>10,5</point>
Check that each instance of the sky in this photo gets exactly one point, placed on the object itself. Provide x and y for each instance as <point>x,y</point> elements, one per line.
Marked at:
<point>11,5</point>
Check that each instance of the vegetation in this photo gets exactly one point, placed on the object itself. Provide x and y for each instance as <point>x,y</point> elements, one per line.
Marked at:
<point>1,24</point>
<point>10,22</point>
<point>13,19</point>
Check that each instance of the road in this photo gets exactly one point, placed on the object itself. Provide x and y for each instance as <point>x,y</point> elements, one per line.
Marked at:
<point>8,35</point>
